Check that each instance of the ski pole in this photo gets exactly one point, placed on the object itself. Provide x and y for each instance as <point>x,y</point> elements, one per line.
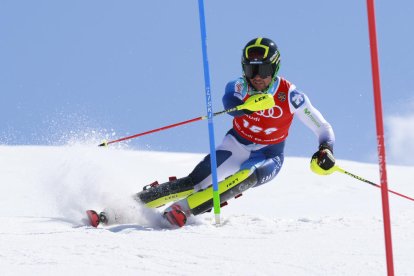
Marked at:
<point>260,102</point>
<point>165,127</point>
<point>339,169</point>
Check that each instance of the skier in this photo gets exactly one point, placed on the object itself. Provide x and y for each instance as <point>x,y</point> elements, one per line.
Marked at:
<point>251,153</point>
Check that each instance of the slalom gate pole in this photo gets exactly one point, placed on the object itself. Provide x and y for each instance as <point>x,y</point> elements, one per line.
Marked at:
<point>209,105</point>
<point>380,135</point>
<point>167,127</point>
<point>338,169</point>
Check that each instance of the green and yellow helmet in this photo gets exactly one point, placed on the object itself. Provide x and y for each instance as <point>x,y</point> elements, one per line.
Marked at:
<point>260,56</point>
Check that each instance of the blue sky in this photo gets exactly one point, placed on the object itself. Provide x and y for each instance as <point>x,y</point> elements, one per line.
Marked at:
<point>76,70</point>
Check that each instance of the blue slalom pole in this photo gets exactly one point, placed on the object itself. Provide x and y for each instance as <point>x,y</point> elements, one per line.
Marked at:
<point>216,195</point>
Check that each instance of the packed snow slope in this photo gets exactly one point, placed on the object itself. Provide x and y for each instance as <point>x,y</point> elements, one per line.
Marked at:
<point>298,224</point>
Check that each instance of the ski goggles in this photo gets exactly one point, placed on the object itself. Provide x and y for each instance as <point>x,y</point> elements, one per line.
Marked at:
<point>263,70</point>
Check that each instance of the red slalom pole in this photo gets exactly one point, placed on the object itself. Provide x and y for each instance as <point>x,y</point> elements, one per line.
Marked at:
<point>380,135</point>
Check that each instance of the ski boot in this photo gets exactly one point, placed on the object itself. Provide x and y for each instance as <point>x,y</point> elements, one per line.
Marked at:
<point>95,219</point>
<point>156,195</point>
<point>175,215</point>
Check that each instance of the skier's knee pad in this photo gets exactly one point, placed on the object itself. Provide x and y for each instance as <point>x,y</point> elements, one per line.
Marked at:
<point>268,170</point>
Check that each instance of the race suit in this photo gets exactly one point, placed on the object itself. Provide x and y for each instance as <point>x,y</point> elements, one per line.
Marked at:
<point>257,140</point>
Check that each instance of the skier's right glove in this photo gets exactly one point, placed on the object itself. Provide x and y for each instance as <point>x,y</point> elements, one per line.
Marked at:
<point>323,161</point>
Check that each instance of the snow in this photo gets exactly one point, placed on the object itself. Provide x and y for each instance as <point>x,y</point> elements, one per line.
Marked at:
<point>298,224</point>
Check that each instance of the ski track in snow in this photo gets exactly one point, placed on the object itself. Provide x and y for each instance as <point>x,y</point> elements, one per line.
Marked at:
<point>299,224</point>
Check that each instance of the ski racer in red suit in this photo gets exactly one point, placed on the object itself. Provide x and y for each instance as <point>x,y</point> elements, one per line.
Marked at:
<point>257,139</point>
<point>251,153</point>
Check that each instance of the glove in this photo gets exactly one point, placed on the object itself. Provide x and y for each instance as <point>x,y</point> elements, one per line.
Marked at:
<point>323,161</point>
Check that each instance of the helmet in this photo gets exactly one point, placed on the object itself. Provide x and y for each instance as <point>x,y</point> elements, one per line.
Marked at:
<point>260,56</point>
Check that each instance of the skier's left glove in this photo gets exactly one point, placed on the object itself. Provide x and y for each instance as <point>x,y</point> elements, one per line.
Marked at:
<point>323,161</point>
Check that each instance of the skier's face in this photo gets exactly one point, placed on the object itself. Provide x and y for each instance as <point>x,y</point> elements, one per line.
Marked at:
<point>259,83</point>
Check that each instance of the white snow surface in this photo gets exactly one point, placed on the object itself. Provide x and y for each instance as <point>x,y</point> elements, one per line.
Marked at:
<point>298,224</point>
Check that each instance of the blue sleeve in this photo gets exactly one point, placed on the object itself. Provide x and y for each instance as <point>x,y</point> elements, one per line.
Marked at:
<point>231,99</point>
